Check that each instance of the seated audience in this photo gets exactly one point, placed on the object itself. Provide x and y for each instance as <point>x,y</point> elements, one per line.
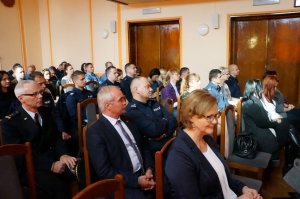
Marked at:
<point>116,147</point>
<point>30,69</point>
<point>8,99</point>
<point>153,79</point>
<point>130,70</point>
<point>233,82</point>
<point>189,84</point>
<point>67,78</point>
<point>35,123</point>
<point>78,94</point>
<point>18,74</point>
<point>155,123</point>
<point>60,70</point>
<point>120,75</point>
<point>111,77</point>
<point>270,135</point>
<point>224,77</point>
<point>214,88</point>
<point>91,76</point>
<point>285,109</point>
<point>49,83</point>
<point>104,77</point>
<point>48,101</point>
<point>83,68</point>
<point>184,72</point>
<point>162,78</point>
<point>170,91</point>
<point>194,166</point>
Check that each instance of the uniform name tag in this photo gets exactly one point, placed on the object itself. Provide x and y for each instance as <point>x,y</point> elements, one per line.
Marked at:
<point>156,109</point>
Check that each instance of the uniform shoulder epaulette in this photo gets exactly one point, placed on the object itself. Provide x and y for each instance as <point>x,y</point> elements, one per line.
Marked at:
<point>12,115</point>
<point>133,105</point>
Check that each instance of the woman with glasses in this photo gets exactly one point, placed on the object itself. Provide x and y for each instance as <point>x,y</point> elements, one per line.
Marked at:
<point>8,100</point>
<point>194,167</point>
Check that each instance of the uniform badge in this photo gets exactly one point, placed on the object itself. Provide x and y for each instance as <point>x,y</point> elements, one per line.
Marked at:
<point>133,106</point>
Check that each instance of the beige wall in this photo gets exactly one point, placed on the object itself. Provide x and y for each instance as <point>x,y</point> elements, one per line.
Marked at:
<point>64,33</point>
<point>200,53</point>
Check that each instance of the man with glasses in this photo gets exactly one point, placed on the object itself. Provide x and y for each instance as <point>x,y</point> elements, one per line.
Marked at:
<point>214,88</point>
<point>35,123</point>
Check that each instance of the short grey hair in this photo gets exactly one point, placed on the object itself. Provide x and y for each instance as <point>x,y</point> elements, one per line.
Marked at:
<point>104,95</point>
<point>19,89</point>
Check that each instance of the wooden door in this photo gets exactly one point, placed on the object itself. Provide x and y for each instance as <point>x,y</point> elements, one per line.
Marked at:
<point>154,45</point>
<point>268,42</point>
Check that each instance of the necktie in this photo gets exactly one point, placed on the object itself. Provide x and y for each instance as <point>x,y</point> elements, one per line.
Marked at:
<point>134,146</point>
<point>36,119</point>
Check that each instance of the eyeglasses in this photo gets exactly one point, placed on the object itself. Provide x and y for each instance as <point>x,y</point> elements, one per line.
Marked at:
<point>225,74</point>
<point>35,94</point>
<point>211,118</point>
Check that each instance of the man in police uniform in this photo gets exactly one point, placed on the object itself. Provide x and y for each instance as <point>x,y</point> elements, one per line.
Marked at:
<point>130,70</point>
<point>34,123</point>
<point>155,123</point>
<point>111,77</point>
<point>78,94</point>
<point>48,101</point>
<point>214,88</point>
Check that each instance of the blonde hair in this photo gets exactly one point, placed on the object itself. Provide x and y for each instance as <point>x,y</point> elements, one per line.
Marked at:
<point>197,103</point>
<point>186,82</point>
<point>170,73</point>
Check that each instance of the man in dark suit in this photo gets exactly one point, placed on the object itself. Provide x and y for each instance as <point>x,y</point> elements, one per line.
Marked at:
<point>34,123</point>
<point>115,146</point>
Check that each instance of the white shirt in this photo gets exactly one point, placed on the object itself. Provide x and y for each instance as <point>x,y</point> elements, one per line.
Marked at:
<point>132,154</point>
<point>217,165</point>
<point>175,88</point>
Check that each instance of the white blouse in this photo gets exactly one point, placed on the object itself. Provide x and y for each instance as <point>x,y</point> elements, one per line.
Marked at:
<point>218,166</point>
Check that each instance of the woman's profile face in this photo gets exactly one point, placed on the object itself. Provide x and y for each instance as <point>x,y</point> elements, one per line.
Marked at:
<point>5,83</point>
<point>205,123</point>
<point>47,75</point>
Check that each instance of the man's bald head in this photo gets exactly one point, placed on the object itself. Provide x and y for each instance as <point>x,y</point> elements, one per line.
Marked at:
<point>141,89</point>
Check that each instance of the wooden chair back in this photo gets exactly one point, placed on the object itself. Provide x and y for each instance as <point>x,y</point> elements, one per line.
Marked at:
<point>87,168</point>
<point>65,87</point>
<point>22,149</point>
<point>103,188</point>
<point>239,117</point>
<point>225,120</point>
<point>159,168</point>
<point>80,107</point>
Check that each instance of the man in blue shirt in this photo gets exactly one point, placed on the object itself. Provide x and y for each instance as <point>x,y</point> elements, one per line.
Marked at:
<point>214,88</point>
<point>91,76</point>
<point>104,76</point>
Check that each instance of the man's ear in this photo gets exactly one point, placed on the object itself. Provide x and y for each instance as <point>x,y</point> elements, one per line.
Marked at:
<point>20,98</point>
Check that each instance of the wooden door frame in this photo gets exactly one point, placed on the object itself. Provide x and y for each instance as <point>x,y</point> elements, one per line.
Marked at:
<point>249,14</point>
<point>137,21</point>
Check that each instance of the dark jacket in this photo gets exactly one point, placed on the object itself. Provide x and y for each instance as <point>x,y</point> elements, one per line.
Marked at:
<point>189,173</point>
<point>234,87</point>
<point>109,155</point>
<point>125,87</point>
<point>257,122</point>
<point>153,121</point>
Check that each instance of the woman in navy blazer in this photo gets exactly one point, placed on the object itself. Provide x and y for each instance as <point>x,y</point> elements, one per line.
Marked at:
<point>194,167</point>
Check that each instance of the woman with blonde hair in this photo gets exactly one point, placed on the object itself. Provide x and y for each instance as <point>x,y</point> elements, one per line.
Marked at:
<point>189,84</point>
<point>194,167</point>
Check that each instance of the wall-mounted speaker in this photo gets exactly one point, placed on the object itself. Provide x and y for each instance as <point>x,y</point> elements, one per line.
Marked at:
<point>113,26</point>
<point>215,21</point>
